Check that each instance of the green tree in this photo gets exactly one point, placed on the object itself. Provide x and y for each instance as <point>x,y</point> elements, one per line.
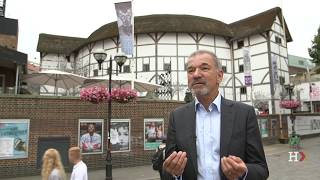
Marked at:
<point>314,51</point>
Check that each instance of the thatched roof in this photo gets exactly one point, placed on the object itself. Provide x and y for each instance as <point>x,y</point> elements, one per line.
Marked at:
<point>258,23</point>
<point>58,44</point>
<point>167,23</point>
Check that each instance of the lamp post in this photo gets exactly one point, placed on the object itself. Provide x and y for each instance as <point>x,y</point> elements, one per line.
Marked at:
<point>100,57</point>
<point>289,88</point>
<point>120,59</point>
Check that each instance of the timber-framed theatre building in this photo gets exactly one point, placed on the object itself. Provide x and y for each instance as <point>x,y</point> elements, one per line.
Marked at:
<point>163,42</point>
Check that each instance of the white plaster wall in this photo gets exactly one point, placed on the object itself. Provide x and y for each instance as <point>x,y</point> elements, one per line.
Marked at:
<point>168,38</point>
<point>146,50</point>
<point>167,50</point>
<point>144,39</point>
<point>54,61</point>
<point>207,40</point>
<point>186,50</point>
<point>259,61</point>
<point>221,42</point>
<point>259,75</point>
<point>184,38</point>
<point>206,47</point>
<point>257,38</point>
<point>223,53</point>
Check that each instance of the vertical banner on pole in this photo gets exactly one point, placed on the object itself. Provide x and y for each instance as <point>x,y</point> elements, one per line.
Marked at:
<point>275,76</point>
<point>247,71</point>
<point>125,26</point>
<point>126,31</point>
<point>247,67</point>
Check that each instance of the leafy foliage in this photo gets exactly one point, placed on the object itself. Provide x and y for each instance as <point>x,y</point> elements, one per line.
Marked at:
<point>314,51</point>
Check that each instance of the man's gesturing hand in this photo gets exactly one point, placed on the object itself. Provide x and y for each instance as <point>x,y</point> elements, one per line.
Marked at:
<point>233,167</point>
<point>175,163</point>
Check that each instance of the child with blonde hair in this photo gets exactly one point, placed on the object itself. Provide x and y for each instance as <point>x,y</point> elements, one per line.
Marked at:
<point>52,167</point>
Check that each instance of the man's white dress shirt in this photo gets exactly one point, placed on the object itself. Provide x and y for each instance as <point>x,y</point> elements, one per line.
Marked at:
<point>79,171</point>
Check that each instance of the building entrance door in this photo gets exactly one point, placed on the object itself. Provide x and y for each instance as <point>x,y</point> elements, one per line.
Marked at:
<point>59,143</point>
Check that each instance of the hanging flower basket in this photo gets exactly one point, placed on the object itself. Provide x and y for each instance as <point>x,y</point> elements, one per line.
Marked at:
<point>290,104</point>
<point>96,94</point>
<point>123,95</point>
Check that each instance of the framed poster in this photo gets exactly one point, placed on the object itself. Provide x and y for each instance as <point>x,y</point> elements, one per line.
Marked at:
<point>91,136</point>
<point>120,135</point>
<point>153,133</point>
<point>263,126</point>
<point>14,138</point>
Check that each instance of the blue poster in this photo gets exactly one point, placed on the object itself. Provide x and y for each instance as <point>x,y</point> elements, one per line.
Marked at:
<point>14,138</point>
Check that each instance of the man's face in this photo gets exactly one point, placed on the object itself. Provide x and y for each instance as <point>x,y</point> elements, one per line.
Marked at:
<point>91,128</point>
<point>203,75</point>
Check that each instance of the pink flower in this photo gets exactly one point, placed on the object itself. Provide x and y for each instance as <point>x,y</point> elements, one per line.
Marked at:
<point>96,94</point>
<point>123,95</point>
<point>290,104</point>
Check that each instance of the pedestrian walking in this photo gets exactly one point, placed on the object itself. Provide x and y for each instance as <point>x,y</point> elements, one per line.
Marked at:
<point>79,171</point>
<point>52,168</point>
<point>158,158</point>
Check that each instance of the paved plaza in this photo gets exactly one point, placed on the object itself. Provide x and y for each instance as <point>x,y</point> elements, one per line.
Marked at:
<point>277,157</point>
<point>281,169</point>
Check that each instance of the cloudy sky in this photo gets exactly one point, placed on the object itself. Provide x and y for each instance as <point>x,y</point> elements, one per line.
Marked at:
<point>80,18</point>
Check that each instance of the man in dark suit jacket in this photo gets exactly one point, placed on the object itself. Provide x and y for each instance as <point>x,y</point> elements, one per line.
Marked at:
<point>240,150</point>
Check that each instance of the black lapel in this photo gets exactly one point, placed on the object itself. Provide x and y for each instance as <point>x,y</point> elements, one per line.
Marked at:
<point>192,130</point>
<point>227,117</point>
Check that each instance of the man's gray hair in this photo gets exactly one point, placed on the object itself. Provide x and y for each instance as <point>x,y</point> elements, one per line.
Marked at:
<point>213,55</point>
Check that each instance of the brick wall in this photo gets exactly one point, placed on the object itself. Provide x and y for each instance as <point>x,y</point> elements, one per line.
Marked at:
<point>58,117</point>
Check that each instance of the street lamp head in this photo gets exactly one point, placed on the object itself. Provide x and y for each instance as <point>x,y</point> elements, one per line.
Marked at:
<point>120,59</point>
<point>100,56</point>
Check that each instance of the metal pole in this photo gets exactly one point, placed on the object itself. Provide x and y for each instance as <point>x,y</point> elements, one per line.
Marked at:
<point>292,117</point>
<point>55,85</point>
<point>17,80</point>
<point>132,67</point>
<point>251,94</point>
<point>310,90</point>
<point>108,158</point>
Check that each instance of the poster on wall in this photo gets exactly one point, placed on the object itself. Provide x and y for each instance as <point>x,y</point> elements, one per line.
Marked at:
<point>120,135</point>
<point>305,125</point>
<point>315,92</point>
<point>91,136</point>
<point>153,133</point>
<point>263,126</point>
<point>14,138</point>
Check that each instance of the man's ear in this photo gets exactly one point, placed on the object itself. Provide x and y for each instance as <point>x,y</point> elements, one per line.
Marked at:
<point>219,76</point>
